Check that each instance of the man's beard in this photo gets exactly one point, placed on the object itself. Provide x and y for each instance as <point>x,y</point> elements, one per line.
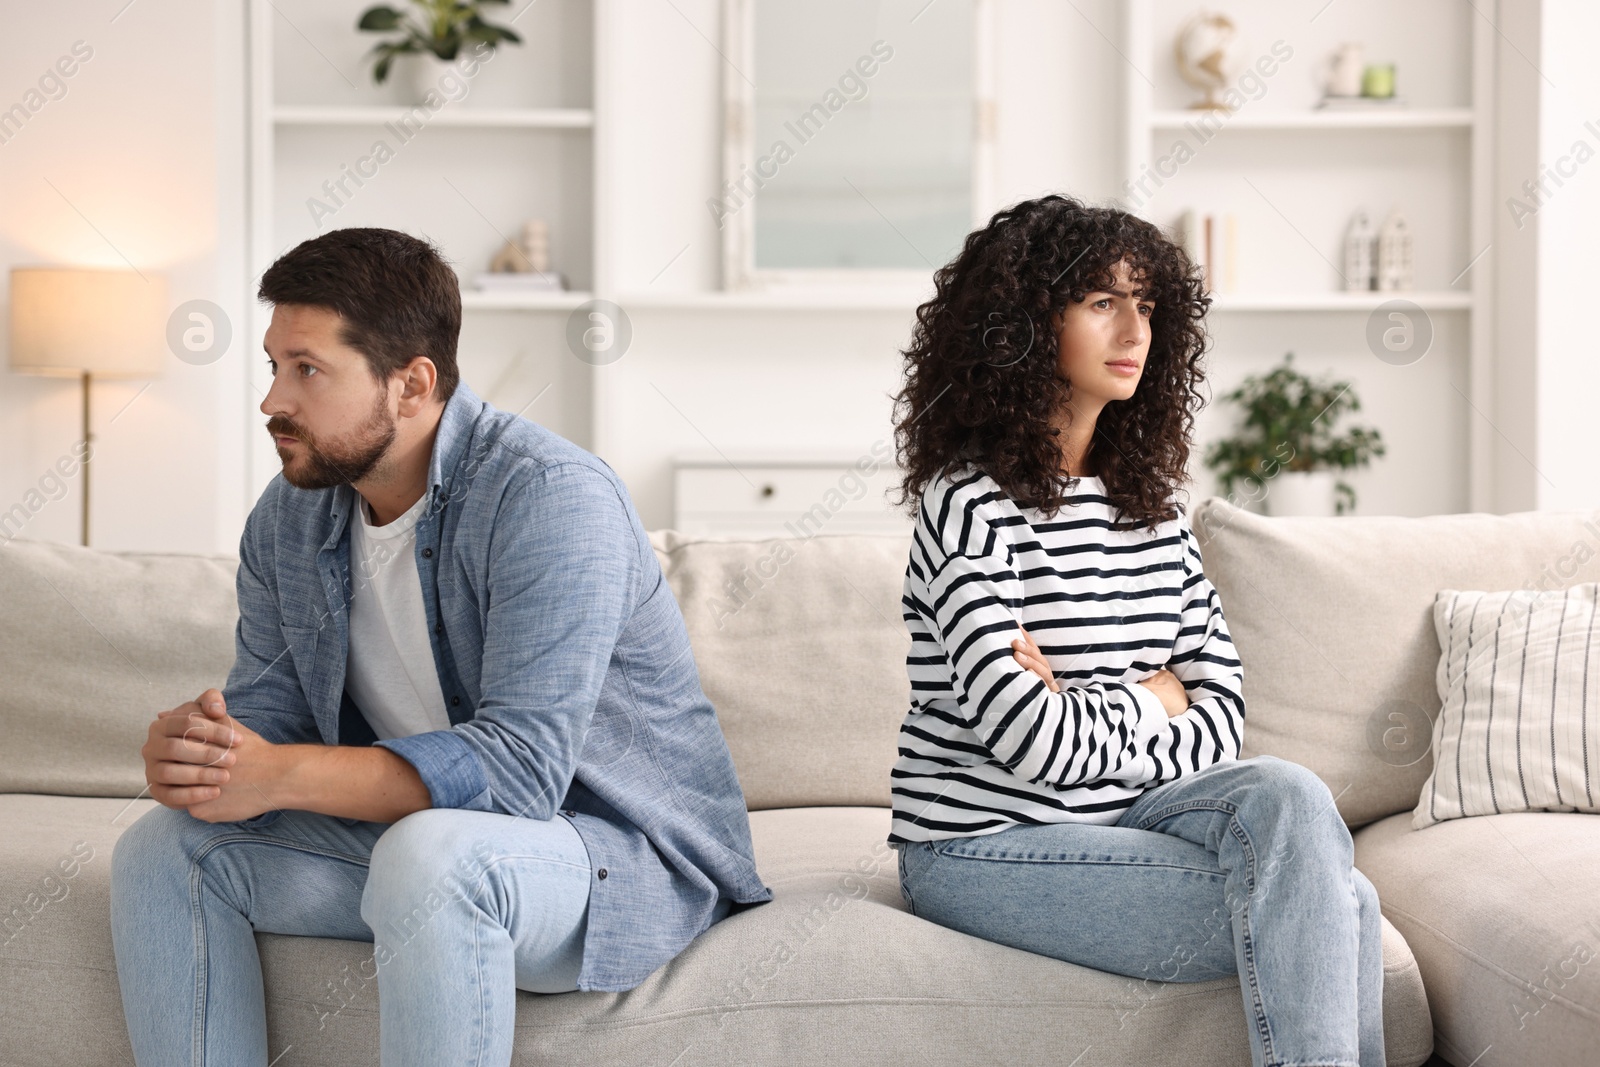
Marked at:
<point>329,464</point>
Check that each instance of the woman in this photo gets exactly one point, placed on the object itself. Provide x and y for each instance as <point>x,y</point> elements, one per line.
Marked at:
<point>1068,779</point>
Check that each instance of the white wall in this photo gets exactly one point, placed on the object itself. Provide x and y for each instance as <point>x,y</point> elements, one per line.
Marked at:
<point>1568,378</point>
<point>137,164</point>
<point>1546,375</point>
<point>696,380</point>
<point>740,381</point>
<point>147,146</point>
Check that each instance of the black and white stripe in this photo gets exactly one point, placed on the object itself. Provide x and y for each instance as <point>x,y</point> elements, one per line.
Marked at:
<point>986,745</point>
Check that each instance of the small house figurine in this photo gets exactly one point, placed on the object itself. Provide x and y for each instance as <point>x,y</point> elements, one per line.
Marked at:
<point>1394,254</point>
<point>529,255</point>
<point>523,265</point>
<point>1360,253</point>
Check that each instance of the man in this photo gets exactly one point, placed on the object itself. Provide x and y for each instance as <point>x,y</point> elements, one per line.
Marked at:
<point>464,721</point>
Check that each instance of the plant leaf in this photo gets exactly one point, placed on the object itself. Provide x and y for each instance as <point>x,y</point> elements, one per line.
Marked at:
<point>380,18</point>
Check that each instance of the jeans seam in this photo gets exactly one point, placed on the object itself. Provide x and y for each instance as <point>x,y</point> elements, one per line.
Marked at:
<point>197,1037</point>
<point>483,987</point>
<point>1249,941</point>
<point>202,972</point>
<point>1002,857</point>
<point>1246,940</point>
<point>263,838</point>
<point>905,889</point>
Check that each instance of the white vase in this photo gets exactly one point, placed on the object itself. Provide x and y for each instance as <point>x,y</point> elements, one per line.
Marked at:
<point>1308,493</point>
<point>423,71</point>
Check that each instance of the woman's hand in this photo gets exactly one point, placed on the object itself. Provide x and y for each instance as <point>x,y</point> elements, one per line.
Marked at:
<point>1027,653</point>
<point>1164,684</point>
<point>1169,688</point>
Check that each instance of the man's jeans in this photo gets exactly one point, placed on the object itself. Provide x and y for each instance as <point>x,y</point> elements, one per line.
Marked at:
<point>468,906</point>
<point>1243,869</point>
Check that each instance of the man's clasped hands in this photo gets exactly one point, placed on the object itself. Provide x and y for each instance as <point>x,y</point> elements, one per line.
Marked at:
<point>199,757</point>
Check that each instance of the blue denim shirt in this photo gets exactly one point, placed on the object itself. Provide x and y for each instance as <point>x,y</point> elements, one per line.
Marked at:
<point>564,662</point>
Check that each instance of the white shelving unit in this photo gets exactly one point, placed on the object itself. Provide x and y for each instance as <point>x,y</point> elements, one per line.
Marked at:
<point>570,118</point>
<point>524,140</point>
<point>1432,159</point>
<point>1445,300</point>
<point>866,298</point>
<point>488,300</point>
<point>1399,118</point>
<point>534,137</point>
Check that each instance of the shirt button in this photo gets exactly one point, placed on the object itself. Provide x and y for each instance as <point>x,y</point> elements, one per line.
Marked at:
<point>427,553</point>
<point>454,701</point>
<point>439,629</point>
<point>601,874</point>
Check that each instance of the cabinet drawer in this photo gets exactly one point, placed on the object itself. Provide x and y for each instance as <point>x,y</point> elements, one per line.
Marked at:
<point>786,501</point>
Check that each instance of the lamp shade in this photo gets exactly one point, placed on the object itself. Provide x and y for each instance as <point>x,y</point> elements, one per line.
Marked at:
<point>71,321</point>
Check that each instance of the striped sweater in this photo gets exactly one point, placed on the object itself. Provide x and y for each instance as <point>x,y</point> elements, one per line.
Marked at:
<point>986,745</point>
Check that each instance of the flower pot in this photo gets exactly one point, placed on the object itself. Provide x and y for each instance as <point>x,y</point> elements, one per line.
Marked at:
<point>1309,493</point>
<point>423,71</point>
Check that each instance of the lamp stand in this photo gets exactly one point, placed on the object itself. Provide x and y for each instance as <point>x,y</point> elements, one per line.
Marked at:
<point>86,453</point>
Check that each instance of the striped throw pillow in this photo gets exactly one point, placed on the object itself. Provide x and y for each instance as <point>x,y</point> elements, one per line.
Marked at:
<point>1519,688</point>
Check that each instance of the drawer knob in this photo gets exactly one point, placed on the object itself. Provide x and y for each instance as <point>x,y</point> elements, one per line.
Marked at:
<point>768,490</point>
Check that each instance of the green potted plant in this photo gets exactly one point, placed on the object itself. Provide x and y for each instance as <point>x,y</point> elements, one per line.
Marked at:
<point>1287,450</point>
<point>432,32</point>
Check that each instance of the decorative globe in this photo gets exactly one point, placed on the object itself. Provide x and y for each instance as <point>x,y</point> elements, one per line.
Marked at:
<point>1210,56</point>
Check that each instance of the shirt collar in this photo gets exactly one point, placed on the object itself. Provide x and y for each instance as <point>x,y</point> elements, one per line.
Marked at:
<point>449,456</point>
<point>445,464</point>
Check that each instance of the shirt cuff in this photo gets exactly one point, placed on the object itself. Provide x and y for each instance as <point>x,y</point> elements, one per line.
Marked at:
<point>445,763</point>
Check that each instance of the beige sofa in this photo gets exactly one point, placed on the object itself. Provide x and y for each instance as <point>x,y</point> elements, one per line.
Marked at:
<point>800,648</point>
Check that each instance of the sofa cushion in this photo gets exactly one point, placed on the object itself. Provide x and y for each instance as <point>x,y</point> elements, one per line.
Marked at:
<point>1502,915</point>
<point>804,659</point>
<point>833,970</point>
<point>802,651</point>
<point>58,978</point>
<point>1333,621</point>
<point>92,646</point>
<point>1526,656</point>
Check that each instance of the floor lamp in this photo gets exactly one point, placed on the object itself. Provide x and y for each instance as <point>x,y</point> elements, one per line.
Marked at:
<point>69,322</point>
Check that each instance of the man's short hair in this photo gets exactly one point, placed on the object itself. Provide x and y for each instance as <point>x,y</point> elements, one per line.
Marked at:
<point>396,294</point>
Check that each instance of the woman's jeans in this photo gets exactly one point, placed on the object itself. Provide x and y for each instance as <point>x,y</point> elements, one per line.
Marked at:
<point>468,907</point>
<point>1244,868</point>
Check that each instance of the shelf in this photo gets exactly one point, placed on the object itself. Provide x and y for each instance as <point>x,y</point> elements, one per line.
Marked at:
<point>863,299</point>
<point>793,457</point>
<point>495,118</point>
<point>1428,300</point>
<point>873,301</point>
<point>544,300</point>
<point>1399,118</point>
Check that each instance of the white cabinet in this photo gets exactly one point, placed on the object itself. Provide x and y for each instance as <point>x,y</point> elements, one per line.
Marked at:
<point>797,497</point>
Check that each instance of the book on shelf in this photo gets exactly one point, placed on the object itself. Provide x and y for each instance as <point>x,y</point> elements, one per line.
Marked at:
<point>520,282</point>
<point>1360,103</point>
<point>1201,235</point>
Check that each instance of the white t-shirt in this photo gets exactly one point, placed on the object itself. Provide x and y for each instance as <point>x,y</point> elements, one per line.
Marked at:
<point>391,674</point>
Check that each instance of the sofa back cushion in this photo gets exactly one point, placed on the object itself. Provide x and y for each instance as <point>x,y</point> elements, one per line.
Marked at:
<point>92,645</point>
<point>1333,621</point>
<point>801,647</point>
<point>802,651</point>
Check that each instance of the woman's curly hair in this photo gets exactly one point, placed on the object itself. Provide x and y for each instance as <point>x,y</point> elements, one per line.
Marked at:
<point>981,370</point>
